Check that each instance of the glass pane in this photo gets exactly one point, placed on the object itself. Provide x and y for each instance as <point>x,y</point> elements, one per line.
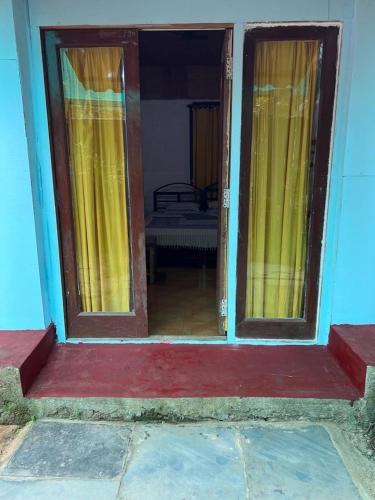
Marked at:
<point>94,103</point>
<point>284,103</point>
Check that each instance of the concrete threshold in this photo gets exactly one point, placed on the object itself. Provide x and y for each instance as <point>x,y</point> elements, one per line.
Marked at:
<point>192,409</point>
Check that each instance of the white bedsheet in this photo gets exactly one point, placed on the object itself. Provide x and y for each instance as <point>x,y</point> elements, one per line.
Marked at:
<point>180,234</point>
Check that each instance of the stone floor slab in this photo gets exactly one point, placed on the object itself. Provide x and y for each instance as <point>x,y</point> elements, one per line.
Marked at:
<point>71,449</point>
<point>58,490</point>
<point>295,463</point>
<point>184,462</point>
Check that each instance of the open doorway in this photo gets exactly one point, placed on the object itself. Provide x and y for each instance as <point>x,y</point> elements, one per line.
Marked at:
<point>182,129</point>
<point>93,88</point>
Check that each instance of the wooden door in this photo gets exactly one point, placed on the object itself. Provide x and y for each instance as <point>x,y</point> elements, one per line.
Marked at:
<point>92,85</point>
<point>223,197</point>
<point>289,80</point>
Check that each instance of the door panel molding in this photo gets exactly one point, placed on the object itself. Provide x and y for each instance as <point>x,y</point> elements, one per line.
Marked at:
<point>80,324</point>
<point>301,328</point>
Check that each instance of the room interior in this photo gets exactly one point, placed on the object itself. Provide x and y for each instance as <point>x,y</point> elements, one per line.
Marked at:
<point>180,74</point>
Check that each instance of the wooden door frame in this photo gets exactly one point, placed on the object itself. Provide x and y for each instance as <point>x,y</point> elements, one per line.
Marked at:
<point>80,324</point>
<point>222,247</point>
<point>139,246</point>
<point>223,182</point>
<point>303,328</point>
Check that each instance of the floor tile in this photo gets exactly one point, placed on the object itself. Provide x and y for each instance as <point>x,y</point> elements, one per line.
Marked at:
<point>181,306</point>
<point>294,464</point>
<point>59,489</point>
<point>184,462</point>
<point>71,449</point>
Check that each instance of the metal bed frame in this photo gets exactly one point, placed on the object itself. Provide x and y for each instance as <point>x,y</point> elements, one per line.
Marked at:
<point>180,192</point>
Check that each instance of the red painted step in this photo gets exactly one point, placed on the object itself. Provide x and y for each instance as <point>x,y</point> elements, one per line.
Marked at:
<point>27,351</point>
<point>167,370</point>
<point>354,348</point>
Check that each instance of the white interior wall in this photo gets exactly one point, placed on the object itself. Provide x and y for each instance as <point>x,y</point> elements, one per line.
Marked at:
<point>165,144</point>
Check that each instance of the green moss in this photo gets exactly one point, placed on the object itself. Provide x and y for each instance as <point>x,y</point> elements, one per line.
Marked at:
<point>14,412</point>
<point>14,409</point>
<point>152,415</point>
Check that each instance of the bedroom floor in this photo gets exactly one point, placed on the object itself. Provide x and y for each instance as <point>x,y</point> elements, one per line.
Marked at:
<point>183,302</point>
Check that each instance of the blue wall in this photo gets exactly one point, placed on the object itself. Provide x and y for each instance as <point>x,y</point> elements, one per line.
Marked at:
<point>350,145</point>
<point>354,286</point>
<point>21,304</point>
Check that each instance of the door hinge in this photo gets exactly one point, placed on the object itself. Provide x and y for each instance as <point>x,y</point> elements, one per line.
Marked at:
<point>226,197</point>
<point>223,307</point>
<point>228,67</point>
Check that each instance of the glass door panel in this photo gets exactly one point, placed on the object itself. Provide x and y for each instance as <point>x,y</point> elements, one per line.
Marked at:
<point>288,96</point>
<point>92,85</point>
<point>94,103</point>
<point>284,103</point>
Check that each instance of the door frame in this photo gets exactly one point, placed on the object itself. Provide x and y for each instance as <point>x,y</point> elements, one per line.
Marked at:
<point>300,328</point>
<point>100,324</point>
<point>224,175</point>
<point>223,184</point>
<point>139,249</point>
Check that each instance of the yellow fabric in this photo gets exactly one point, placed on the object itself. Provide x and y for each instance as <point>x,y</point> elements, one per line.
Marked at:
<point>98,180</point>
<point>87,62</point>
<point>205,145</point>
<point>285,78</point>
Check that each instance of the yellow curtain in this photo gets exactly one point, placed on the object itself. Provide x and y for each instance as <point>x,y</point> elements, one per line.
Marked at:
<point>94,119</point>
<point>285,77</point>
<point>97,68</point>
<point>205,145</point>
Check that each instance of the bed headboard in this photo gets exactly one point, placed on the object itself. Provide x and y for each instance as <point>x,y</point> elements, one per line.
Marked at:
<point>176,192</point>
<point>211,192</point>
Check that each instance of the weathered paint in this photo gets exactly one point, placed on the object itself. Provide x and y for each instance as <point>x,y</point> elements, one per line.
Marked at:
<point>357,40</point>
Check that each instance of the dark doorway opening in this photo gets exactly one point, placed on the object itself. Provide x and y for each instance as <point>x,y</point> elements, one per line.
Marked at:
<point>181,95</point>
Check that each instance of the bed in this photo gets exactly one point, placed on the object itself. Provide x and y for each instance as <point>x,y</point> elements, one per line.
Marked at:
<point>184,216</point>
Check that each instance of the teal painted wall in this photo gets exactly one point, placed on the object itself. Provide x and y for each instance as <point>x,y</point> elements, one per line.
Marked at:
<point>22,32</point>
<point>336,298</point>
<point>21,305</point>
<point>354,285</point>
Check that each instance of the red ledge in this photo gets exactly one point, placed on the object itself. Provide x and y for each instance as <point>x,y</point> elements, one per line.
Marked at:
<point>354,348</point>
<point>27,351</point>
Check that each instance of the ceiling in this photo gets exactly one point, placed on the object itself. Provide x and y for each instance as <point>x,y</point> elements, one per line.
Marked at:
<point>180,48</point>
